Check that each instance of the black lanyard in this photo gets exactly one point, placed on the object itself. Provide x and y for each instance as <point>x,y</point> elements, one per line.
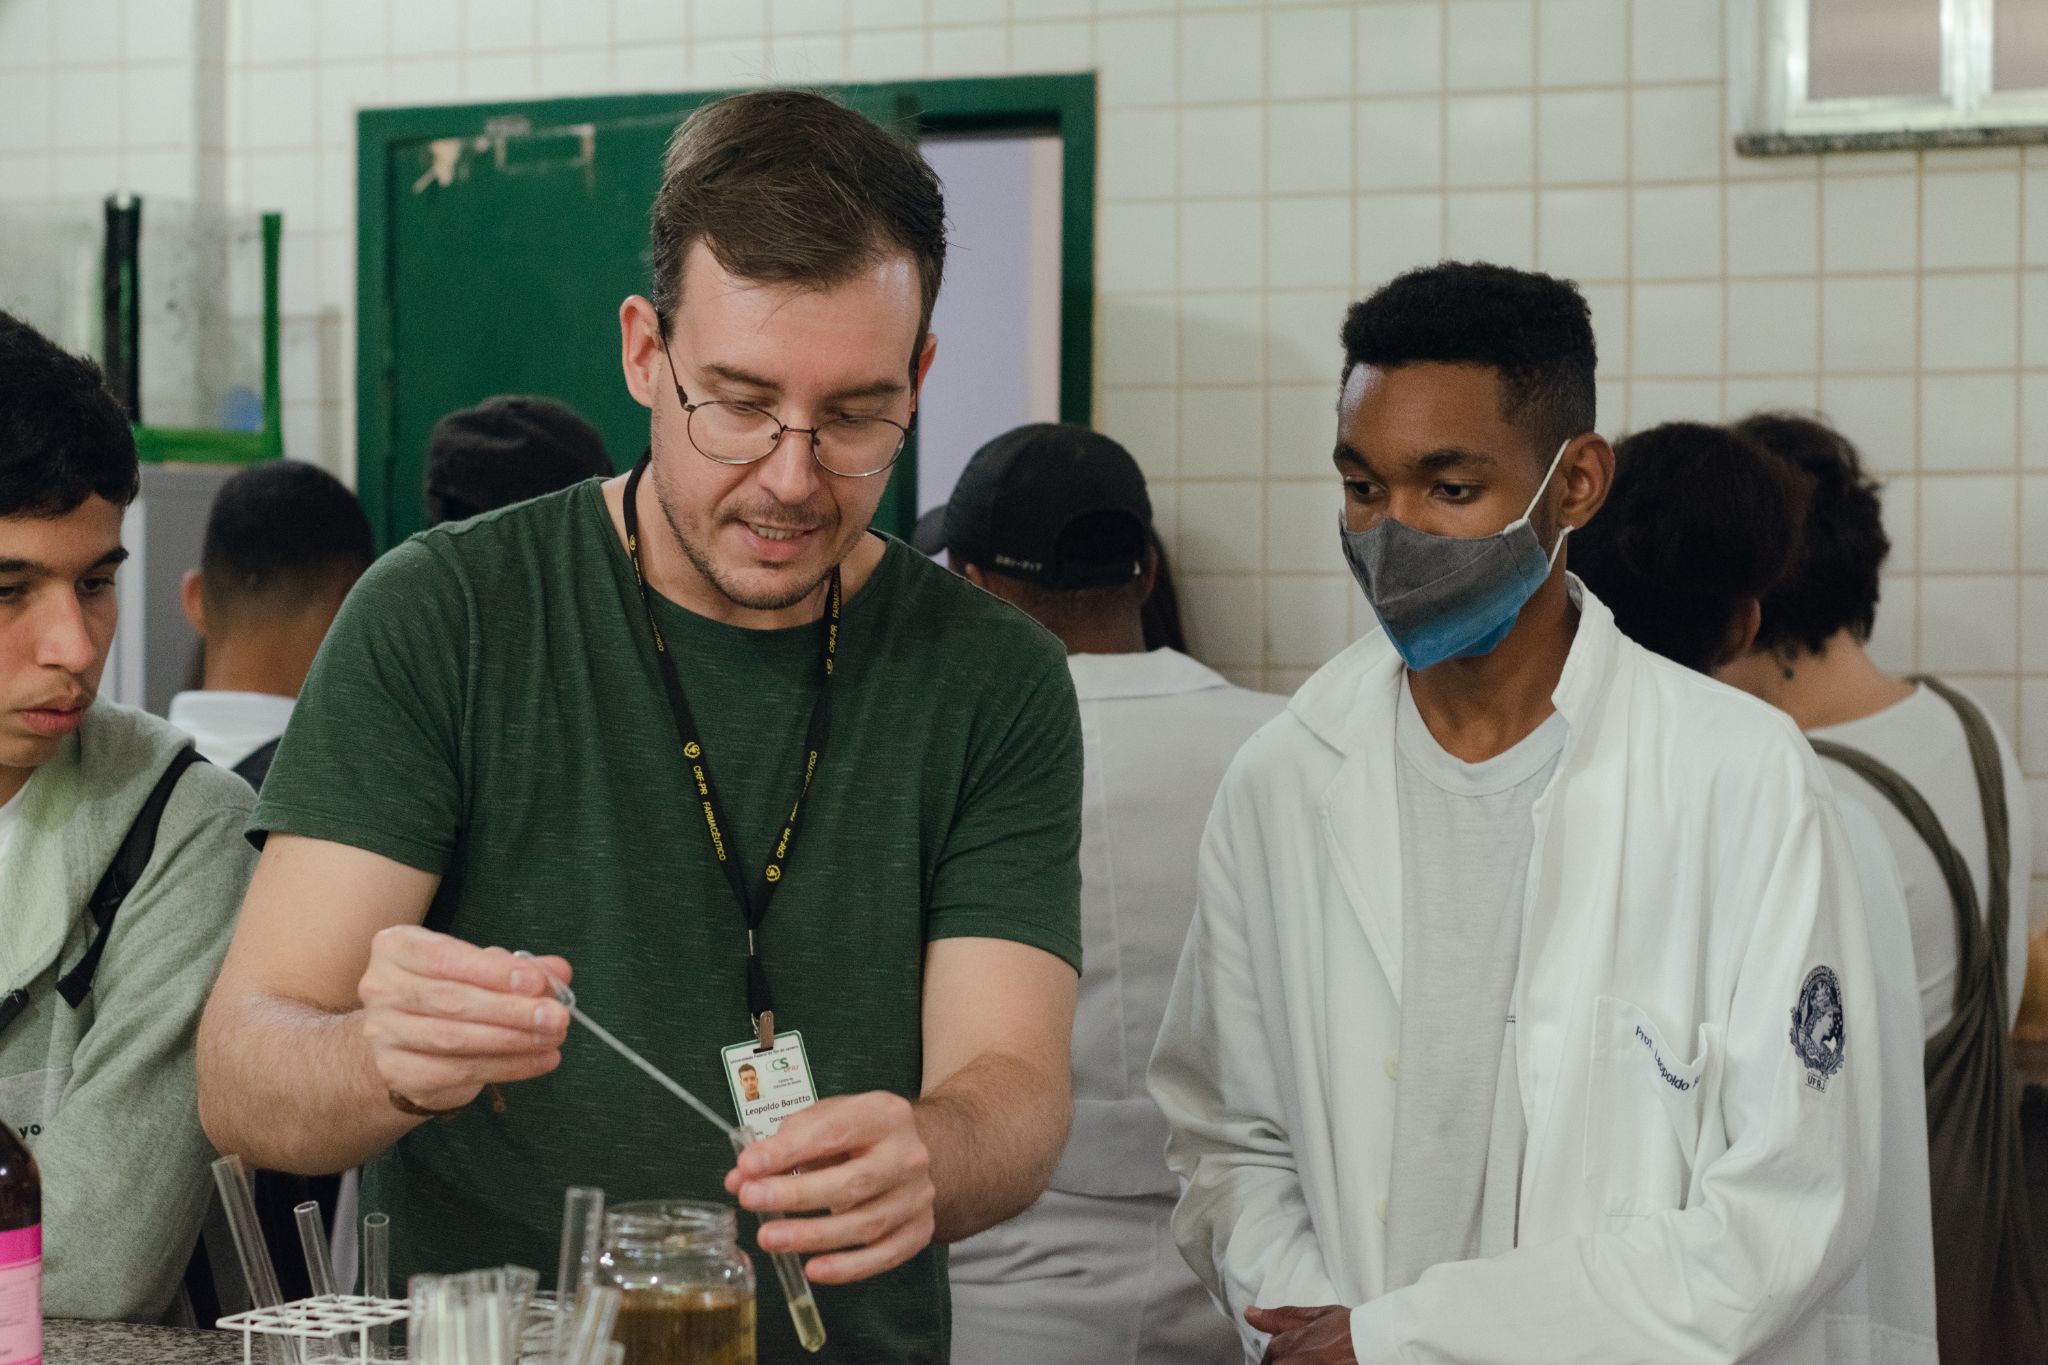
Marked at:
<point>753,904</point>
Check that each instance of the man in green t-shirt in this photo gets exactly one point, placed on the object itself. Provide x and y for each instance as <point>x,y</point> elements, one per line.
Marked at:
<point>509,740</point>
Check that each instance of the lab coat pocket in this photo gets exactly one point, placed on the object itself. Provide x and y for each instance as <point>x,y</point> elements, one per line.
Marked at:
<point>1645,1109</point>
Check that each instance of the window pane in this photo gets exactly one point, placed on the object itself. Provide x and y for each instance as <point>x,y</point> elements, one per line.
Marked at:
<point>1861,48</point>
<point>2020,45</point>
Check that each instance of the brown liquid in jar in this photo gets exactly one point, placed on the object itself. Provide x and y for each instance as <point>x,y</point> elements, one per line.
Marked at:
<point>686,1327</point>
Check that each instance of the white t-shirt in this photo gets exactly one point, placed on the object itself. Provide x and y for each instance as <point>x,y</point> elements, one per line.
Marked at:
<point>1466,834</point>
<point>10,816</point>
<point>226,727</point>
<point>1922,740</point>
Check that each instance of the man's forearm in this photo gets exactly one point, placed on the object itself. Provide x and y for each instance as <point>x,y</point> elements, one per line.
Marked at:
<point>995,1130</point>
<point>292,1088</point>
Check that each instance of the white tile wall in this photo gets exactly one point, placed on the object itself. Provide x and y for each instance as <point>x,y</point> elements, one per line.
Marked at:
<point>1310,52</point>
<point>1400,46</point>
<point>2034,318</point>
<point>1490,44</point>
<point>1773,327</point>
<point>1583,233</point>
<point>1222,151</point>
<point>1877,412</point>
<point>1869,322</point>
<point>1677,329</point>
<point>1679,132</point>
<point>1968,422</point>
<point>1582,137</point>
<point>1677,231</point>
<point>1308,242</point>
<point>1773,227</point>
<point>1262,162</point>
<point>1967,524</point>
<point>1902,524</point>
<point>2034,526</point>
<point>1400,144</point>
<point>1870,222</point>
<point>1491,225</point>
<point>1486,139</point>
<point>1308,147</point>
<point>1581,42</point>
<point>1969,322</point>
<point>2034,625</point>
<point>1970,219</point>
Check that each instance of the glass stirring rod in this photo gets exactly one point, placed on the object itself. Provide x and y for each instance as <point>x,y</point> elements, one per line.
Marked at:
<point>796,1290</point>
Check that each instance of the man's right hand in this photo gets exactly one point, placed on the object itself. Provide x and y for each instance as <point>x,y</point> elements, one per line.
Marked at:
<point>445,1018</point>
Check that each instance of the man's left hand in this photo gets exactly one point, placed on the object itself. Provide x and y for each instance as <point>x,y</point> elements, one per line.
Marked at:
<point>862,1167</point>
<point>1305,1336</point>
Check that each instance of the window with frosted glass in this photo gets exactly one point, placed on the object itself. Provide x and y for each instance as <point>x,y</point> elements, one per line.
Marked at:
<point>2019,52</point>
<point>1874,49</point>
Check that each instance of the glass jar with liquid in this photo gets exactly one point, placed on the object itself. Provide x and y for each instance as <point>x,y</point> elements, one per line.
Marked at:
<point>688,1289</point>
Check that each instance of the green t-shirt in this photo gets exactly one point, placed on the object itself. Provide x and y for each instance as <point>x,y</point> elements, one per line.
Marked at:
<point>487,708</point>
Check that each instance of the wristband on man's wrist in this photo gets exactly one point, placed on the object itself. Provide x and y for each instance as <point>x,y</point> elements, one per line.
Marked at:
<point>420,1111</point>
<point>406,1106</point>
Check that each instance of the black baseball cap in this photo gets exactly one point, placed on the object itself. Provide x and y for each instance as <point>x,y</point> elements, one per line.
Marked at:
<point>1053,504</point>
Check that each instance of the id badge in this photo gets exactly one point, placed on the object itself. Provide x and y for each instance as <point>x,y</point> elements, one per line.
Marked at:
<point>767,1087</point>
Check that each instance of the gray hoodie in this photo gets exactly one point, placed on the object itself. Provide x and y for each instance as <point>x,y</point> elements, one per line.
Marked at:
<point>104,1094</point>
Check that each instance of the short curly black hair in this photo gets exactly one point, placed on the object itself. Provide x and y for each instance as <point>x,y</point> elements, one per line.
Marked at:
<point>63,435</point>
<point>1835,585</point>
<point>1700,522</point>
<point>1534,330</point>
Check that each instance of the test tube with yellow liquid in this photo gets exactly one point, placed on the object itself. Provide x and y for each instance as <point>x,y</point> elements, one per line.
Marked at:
<point>789,1271</point>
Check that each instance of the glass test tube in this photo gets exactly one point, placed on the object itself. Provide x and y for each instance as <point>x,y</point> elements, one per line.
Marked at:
<point>313,1241</point>
<point>582,1233</point>
<point>238,1200</point>
<point>789,1271</point>
<point>597,1309</point>
<point>376,1254</point>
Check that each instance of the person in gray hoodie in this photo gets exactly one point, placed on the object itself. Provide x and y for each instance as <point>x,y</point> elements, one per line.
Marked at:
<point>101,981</point>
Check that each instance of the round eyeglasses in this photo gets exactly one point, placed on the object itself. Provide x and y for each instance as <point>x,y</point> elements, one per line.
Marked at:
<point>741,433</point>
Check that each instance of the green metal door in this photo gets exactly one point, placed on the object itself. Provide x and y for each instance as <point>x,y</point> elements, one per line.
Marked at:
<point>497,242</point>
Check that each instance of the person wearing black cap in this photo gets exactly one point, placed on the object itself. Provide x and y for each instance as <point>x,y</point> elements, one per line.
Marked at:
<point>1055,520</point>
<point>508,449</point>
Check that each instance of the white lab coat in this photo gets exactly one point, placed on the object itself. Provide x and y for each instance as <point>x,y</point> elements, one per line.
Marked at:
<point>1089,1274</point>
<point>1687,1194</point>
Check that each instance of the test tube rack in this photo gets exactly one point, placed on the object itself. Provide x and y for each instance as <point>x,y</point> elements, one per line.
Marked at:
<point>326,1318</point>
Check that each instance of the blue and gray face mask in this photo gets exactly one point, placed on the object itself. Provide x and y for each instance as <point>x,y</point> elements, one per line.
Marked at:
<point>1450,597</point>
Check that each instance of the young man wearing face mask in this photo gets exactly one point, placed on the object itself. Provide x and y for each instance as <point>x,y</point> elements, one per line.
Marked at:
<point>1527,1011</point>
<point>767,780</point>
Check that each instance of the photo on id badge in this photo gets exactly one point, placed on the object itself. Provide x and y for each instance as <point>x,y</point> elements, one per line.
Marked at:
<point>767,1087</point>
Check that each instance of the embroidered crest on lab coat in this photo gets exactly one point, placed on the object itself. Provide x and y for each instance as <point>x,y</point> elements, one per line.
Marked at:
<point>1818,1034</point>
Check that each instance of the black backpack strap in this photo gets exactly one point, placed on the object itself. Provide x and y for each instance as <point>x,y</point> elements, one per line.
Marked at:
<point>200,1290</point>
<point>122,876</point>
<point>256,766</point>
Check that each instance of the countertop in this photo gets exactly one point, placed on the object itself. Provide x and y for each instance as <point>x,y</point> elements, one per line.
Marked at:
<point>66,1342</point>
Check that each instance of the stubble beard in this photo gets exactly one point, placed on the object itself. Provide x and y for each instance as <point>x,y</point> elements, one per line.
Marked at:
<point>778,599</point>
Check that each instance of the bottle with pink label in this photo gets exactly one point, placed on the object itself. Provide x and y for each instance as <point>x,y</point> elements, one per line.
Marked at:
<point>21,1253</point>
